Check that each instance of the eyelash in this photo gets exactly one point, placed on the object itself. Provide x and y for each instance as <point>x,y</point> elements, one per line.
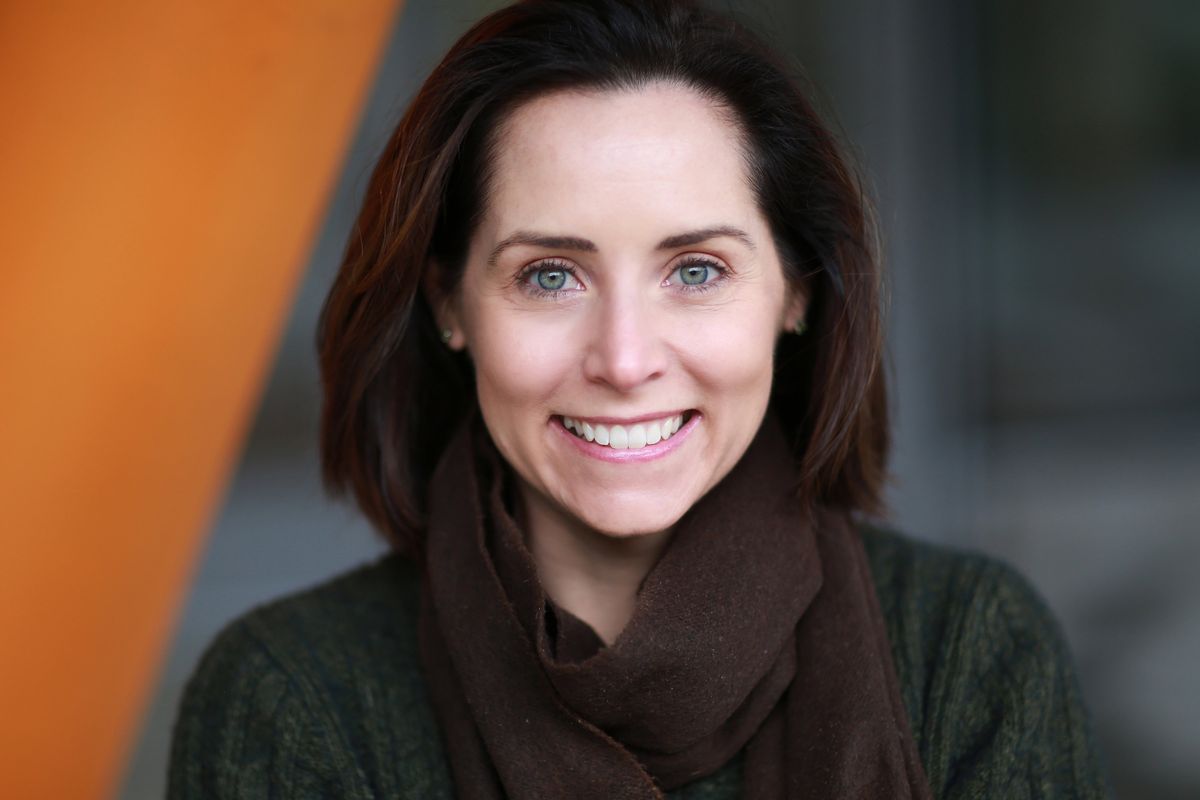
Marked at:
<point>552,264</point>
<point>557,265</point>
<point>697,261</point>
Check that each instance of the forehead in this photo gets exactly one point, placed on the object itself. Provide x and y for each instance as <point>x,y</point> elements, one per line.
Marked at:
<point>659,149</point>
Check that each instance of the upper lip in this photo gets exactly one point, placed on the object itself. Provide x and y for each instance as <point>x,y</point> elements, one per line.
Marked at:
<point>656,415</point>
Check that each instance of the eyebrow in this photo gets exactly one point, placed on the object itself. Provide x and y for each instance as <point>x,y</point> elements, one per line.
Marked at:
<point>704,234</point>
<point>577,244</point>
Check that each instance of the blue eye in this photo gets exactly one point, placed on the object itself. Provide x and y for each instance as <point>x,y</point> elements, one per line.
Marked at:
<point>551,279</point>
<point>696,274</point>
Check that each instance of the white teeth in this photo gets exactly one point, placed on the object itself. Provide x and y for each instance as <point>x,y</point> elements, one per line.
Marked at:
<point>653,434</point>
<point>637,437</point>
<point>620,437</point>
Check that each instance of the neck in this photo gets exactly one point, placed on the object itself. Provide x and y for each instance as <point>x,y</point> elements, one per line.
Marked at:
<point>593,575</point>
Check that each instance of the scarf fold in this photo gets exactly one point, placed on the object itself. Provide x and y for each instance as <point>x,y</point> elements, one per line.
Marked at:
<point>755,630</point>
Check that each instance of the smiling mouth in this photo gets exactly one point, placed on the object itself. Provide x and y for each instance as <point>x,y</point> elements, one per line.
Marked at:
<point>627,437</point>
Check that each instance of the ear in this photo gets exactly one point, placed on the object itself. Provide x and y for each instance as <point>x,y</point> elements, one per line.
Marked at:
<point>796,306</point>
<point>445,309</point>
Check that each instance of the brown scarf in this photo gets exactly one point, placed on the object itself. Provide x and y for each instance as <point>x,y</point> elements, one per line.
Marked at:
<point>755,629</point>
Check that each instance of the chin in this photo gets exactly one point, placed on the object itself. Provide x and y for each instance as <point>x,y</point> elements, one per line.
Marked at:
<point>630,524</point>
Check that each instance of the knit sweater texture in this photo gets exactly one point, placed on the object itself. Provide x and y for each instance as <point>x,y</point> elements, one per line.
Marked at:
<point>320,694</point>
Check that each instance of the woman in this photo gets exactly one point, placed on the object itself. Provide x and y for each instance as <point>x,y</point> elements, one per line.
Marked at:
<point>603,364</point>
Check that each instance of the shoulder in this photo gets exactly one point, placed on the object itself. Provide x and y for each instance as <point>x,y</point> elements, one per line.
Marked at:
<point>370,610</point>
<point>985,671</point>
<point>946,607</point>
<point>355,629</point>
<point>323,687</point>
<point>929,592</point>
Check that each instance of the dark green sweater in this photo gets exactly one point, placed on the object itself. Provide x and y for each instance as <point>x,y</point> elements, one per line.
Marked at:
<point>320,694</point>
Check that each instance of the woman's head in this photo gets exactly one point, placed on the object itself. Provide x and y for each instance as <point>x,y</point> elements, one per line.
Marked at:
<point>621,276</point>
<point>616,209</point>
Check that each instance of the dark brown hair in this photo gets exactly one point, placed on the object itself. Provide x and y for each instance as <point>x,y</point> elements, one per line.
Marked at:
<point>393,393</point>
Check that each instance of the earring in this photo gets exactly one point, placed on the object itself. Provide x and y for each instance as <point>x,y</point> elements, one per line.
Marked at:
<point>799,328</point>
<point>447,334</point>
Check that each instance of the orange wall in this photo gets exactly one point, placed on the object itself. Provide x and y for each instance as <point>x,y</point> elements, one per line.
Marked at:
<point>163,169</point>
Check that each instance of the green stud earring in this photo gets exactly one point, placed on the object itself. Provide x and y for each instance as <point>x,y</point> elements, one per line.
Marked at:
<point>799,328</point>
<point>447,334</point>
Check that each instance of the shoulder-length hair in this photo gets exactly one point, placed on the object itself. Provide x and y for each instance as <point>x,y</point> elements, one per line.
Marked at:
<point>393,393</point>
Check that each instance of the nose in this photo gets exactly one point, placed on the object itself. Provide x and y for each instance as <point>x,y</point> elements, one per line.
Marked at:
<point>626,348</point>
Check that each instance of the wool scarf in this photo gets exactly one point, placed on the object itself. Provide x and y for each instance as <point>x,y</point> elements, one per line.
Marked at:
<point>757,629</point>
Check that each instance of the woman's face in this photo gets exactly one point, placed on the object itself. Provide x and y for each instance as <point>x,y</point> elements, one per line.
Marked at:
<point>621,302</point>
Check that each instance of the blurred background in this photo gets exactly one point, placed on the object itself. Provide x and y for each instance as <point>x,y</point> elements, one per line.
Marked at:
<point>1037,173</point>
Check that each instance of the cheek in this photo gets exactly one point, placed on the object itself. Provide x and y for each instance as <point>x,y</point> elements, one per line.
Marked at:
<point>732,351</point>
<point>519,362</point>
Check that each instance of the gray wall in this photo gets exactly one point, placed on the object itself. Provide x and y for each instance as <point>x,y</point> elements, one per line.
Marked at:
<point>1037,169</point>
